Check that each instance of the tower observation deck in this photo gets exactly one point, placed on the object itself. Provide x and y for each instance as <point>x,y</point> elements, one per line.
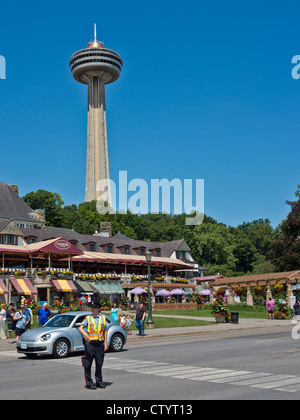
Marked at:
<point>96,67</point>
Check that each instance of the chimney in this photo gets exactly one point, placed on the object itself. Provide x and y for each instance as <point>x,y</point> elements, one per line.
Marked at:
<point>105,230</point>
<point>14,188</point>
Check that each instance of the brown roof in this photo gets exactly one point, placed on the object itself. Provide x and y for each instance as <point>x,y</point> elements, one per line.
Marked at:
<point>167,248</point>
<point>284,277</point>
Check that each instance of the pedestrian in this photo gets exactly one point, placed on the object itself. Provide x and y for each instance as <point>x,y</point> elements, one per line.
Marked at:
<point>114,312</point>
<point>3,322</point>
<point>22,319</point>
<point>89,300</point>
<point>139,318</point>
<point>11,325</point>
<point>270,306</point>
<point>128,323</point>
<point>30,314</point>
<point>122,320</point>
<point>43,315</point>
<point>94,333</point>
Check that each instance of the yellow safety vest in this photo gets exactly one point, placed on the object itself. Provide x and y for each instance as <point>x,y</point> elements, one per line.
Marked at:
<point>96,334</point>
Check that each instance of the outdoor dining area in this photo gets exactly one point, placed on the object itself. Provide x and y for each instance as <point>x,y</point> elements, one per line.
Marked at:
<point>28,270</point>
<point>163,299</point>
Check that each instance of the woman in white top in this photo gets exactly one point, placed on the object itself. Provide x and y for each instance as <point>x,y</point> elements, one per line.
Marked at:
<point>3,322</point>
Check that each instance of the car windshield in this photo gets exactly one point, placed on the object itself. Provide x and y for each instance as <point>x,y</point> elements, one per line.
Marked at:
<point>60,321</point>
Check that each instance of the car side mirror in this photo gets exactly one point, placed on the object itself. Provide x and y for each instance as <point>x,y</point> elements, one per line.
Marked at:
<point>77,325</point>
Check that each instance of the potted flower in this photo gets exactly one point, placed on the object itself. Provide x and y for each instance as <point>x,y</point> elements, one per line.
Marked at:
<point>219,310</point>
<point>258,290</point>
<point>278,288</point>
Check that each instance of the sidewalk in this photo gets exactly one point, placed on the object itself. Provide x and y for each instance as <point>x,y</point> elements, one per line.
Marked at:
<point>244,324</point>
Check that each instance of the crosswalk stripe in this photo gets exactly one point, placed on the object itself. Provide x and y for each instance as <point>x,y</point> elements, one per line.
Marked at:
<point>186,371</point>
<point>291,388</point>
<point>231,379</point>
<point>215,376</point>
<point>278,384</point>
<point>262,380</point>
<point>154,368</point>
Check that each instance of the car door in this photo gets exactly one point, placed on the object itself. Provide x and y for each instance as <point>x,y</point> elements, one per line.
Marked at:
<point>77,337</point>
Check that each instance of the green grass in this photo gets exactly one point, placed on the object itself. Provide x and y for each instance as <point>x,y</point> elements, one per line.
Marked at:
<point>177,322</point>
<point>244,311</point>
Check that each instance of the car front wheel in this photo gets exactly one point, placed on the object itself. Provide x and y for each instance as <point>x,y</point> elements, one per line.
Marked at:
<point>117,342</point>
<point>61,348</point>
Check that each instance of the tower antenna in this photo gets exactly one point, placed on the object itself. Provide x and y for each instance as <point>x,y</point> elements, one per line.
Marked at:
<point>95,32</point>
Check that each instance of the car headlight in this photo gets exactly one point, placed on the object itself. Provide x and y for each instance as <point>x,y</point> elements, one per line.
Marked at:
<point>45,337</point>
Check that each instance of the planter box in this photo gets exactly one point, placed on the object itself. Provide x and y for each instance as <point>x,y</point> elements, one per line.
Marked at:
<point>220,319</point>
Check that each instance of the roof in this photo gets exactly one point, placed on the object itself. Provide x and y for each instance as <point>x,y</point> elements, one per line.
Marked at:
<point>13,207</point>
<point>167,248</point>
<point>203,279</point>
<point>284,277</point>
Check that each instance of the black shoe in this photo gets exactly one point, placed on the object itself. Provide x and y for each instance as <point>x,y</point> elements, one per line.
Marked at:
<point>92,386</point>
<point>101,386</point>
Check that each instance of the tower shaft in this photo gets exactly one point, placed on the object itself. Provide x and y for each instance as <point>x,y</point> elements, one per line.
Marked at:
<point>97,164</point>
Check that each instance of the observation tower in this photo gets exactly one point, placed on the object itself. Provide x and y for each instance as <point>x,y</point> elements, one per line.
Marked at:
<point>96,67</point>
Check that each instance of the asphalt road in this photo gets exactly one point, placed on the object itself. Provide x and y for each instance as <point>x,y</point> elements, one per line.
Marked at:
<point>260,364</point>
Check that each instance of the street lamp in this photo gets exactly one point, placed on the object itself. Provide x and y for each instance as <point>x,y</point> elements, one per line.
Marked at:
<point>149,322</point>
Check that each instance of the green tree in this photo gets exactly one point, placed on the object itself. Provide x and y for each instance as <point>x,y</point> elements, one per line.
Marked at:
<point>48,201</point>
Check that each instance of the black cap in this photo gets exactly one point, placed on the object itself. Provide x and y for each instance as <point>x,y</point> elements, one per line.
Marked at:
<point>96,305</point>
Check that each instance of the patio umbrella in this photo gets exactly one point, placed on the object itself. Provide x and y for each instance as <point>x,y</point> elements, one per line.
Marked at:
<point>162,292</point>
<point>206,292</point>
<point>177,292</point>
<point>138,291</point>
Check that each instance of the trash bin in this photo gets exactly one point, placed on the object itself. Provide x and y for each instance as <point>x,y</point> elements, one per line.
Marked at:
<point>234,317</point>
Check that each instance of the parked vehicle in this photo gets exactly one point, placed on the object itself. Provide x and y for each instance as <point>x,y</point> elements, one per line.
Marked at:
<point>60,336</point>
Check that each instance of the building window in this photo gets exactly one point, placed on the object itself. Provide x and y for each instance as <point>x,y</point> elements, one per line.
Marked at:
<point>9,239</point>
<point>32,241</point>
<point>126,250</point>
<point>73,243</point>
<point>157,252</point>
<point>109,249</point>
<point>142,251</point>
<point>92,247</point>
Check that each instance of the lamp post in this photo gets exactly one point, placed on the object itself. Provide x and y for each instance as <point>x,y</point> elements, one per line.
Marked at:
<point>149,322</point>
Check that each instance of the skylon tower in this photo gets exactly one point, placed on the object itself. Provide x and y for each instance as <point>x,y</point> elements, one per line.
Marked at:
<point>96,67</point>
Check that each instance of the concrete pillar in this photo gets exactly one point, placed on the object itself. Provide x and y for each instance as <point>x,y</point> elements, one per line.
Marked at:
<point>230,298</point>
<point>211,297</point>
<point>269,293</point>
<point>289,293</point>
<point>249,296</point>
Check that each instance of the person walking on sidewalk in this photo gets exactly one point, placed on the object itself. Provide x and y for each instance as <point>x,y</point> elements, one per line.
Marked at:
<point>139,318</point>
<point>270,306</point>
<point>94,332</point>
<point>11,325</point>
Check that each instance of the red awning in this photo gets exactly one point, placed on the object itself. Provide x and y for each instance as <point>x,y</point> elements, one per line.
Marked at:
<point>23,286</point>
<point>3,288</point>
<point>54,246</point>
<point>64,285</point>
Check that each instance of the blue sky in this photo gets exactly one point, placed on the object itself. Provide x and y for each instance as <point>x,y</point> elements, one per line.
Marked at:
<point>205,93</point>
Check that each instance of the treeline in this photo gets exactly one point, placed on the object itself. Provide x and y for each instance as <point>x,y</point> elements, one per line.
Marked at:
<point>250,248</point>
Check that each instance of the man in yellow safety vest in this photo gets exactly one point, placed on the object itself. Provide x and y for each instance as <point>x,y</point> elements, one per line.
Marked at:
<point>94,332</point>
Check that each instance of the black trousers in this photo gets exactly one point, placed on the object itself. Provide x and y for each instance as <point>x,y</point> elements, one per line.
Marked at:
<point>93,351</point>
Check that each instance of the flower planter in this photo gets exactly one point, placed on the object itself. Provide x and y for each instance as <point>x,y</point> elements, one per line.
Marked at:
<point>220,319</point>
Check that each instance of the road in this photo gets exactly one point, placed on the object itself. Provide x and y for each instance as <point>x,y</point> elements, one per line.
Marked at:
<point>260,364</point>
